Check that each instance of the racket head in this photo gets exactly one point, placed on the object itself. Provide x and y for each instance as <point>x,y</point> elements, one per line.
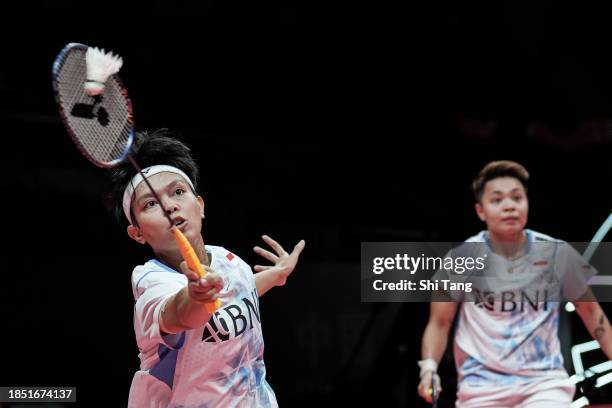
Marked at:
<point>101,127</point>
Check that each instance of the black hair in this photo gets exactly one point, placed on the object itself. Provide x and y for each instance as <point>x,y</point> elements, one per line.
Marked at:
<point>149,148</point>
<point>495,169</point>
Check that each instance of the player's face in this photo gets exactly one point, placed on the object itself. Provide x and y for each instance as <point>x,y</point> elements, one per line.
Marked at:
<point>185,208</point>
<point>504,207</point>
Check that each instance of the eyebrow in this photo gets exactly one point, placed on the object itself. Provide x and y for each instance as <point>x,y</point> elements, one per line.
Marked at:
<point>515,189</point>
<point>168,186</point>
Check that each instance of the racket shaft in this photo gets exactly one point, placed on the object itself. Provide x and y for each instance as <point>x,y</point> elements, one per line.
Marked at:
<point>193,263</point>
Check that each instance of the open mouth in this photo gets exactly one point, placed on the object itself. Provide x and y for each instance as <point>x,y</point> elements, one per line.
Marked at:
<point>179,221</point>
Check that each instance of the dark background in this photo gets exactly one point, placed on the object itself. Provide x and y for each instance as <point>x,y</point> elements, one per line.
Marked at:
<point>336,123</point>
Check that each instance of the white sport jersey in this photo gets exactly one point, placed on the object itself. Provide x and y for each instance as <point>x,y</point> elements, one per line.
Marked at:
<point>218,365</point>
<point>513,339</point>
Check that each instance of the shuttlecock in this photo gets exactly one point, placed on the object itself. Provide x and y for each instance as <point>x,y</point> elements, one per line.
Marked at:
<point>100,65</point>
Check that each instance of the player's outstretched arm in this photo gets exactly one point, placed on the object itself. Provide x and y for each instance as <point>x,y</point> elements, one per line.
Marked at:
<point>283,264</point>
<point>434,341</point>
<point>185,310</point>
<point>596,322</point>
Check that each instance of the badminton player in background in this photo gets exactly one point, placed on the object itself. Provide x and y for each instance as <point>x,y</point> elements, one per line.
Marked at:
<point>510,356</point>
<point>190,357</point>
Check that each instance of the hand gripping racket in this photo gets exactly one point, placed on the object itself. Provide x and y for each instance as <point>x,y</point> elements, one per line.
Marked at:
<point>97,112</point>
<point>434,392</point>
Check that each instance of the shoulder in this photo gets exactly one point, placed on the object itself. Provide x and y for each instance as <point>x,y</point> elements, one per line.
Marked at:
<point>224,255</point>
<point>563,250</point>
<point>480,237</point>
<point>545,244</point>
<point>230,265</point>
<point>536,236</point>
<point>153,272</point>
<point>219,251</point>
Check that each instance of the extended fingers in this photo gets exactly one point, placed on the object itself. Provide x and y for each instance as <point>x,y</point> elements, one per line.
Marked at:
<point>299,247</point>
<point>275,245</point>
<point>266,254</point>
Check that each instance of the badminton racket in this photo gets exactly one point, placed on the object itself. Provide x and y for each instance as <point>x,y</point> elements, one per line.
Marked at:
<point>97,112</point>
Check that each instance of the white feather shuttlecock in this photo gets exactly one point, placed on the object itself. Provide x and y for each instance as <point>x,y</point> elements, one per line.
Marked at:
<point>100,65</point>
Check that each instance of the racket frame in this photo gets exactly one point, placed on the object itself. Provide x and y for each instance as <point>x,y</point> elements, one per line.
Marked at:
<point>57,66</point>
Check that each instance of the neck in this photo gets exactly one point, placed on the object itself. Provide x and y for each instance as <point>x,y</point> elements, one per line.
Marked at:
<point>512,245</point>
<point>200,251</point>
<point>173,258</point>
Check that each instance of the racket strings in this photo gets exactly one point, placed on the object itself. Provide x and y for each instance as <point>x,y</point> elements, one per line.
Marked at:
<point>101,126</point>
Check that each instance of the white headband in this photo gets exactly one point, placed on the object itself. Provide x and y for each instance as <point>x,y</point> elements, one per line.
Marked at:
<point>137,179</point>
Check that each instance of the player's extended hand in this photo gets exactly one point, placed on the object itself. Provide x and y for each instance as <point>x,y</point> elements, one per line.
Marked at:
<point>425,385</point>
<point>284,263</point>
<point>206,289</point>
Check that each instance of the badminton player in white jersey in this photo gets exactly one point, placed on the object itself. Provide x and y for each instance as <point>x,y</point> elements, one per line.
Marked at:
<point>191,358</point>
<point>509,356</point>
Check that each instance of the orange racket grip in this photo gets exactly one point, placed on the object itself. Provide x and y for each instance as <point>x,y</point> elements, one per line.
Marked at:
<point>193,263</point>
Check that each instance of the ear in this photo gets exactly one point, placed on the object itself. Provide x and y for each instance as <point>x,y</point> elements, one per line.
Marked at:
<point>135,234</point>
<point>480,212</point>
<point>201,204</point>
